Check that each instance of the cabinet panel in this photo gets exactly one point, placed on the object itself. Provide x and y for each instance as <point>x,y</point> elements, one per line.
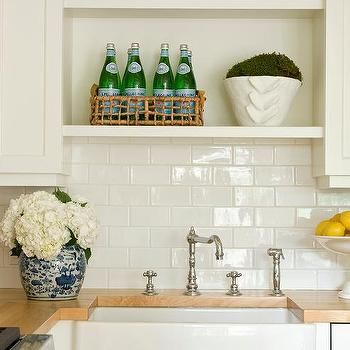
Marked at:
<point>340,336</point>
<point>23,59</point>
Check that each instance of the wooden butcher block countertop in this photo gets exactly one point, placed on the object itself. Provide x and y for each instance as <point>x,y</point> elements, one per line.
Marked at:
<point>40,316</point>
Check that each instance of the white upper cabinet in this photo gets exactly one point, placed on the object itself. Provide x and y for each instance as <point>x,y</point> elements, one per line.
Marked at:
<point>52,52</point>
<point>30,118</point>
<point>332,153</point>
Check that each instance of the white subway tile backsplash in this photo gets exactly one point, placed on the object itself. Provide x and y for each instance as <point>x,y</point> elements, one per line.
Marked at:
<point>170,195</point>
<point>211,196</point>
<point>108,174</point>
<point>112,216</point>
<point>79,174</point>
<point>150,175</point>
<point>295,196</point>
<point>298,279</point>
<point>293,155</point>
<point>109,257</point>
<point>169,237</point>
<point>96,194</point>
<point>310,217</point>
<point>294,238</point>
<point>149,216</point>
<point>203,257</point>
<point>274,176</point>
<point>191,175</point>
<point>333,198</point>
<point>150,258</point>
<point>128,237</point>
<point>92,154</point>
<point>253,155</point>
<point>189,216</point>
<point>128,195</point>
<point>263,260</point>
<point>233,216</point>
<point>245,237</point>
<point>254,196</point>
<point>129,154</point>
<point>315,259</point>
<point>96,278</point>
<point>233,176</point>
<point>275,217</point>
<point>176,154</point>
<point>211,155</point>
<point>303,176</point>
<point>234,258</point>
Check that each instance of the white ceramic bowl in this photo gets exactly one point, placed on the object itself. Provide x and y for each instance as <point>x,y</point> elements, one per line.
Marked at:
<point>340,245</point>
<point>261,100</point>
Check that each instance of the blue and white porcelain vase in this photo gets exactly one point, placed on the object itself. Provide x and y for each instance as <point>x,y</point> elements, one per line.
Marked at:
<point>57,279</point>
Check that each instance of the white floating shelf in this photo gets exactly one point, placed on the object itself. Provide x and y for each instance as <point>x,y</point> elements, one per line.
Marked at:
<point>198,4</point>
<point>193,131</point>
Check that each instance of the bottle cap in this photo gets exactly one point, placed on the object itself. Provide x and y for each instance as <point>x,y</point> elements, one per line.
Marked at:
<point>110,46</point>
<point>164,46</point>
<point>189,53</point>
<point>135,45</point>
<point>183,47</point>
<point>129,50</point>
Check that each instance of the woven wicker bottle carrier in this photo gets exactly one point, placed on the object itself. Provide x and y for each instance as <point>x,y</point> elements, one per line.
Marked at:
<point>146,110</point>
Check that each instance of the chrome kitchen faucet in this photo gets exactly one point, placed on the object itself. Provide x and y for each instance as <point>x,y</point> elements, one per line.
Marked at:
<point>192,239</point>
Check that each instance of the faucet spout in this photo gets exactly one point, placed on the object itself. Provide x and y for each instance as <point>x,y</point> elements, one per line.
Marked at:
<point>219,253</point>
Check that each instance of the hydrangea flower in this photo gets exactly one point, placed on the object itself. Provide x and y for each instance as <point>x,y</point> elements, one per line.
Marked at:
<point>40,224</point>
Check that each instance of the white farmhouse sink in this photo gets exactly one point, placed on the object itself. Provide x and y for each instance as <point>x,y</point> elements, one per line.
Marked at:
<point>194,315</point>
<point>186,329</point>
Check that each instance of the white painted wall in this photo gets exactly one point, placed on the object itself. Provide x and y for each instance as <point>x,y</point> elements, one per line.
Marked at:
<point>148,193</point>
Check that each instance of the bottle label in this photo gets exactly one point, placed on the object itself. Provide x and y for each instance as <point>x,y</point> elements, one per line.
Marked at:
<point>110,52</point>
<point>134,67</point>
<point>185,92</point>
<point>135,52</point>
<point>109,109</point>
<point>163,92</point>
<point>112,68</point>
<point>183,53</point>
<point>164,53</point>
<point>183,68</point>
<point>162,68</point>
<point>163,106</point>
<point>108,92</point>
<point>135,92</point>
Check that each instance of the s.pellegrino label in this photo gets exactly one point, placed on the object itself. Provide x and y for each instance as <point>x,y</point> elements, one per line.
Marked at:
<point>163,106</point>
<point>135,92</point>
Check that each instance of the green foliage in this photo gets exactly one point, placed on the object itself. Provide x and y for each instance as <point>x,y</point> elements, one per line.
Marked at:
<point>62,196</point>
<point>17,250</point>
<point>266,64</point>
<point>87,253</point>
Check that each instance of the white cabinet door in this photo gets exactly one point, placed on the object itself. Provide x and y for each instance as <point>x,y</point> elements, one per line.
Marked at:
<point>332,158</point>
<point>30,122</point>
<point>341,336</point>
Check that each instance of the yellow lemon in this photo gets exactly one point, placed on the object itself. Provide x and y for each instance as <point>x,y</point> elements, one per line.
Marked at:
<point>321,226</point>
<point>345,219</point>
<point>333,229</point>
<point>336,218</point>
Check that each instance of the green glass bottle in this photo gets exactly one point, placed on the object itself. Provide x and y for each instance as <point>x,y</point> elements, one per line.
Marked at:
<point>190,57</point>
<point>109,84</point>
<point>163,82</point>
<point>126,69</point>
<point>135,81</point>
<point>185,82</point>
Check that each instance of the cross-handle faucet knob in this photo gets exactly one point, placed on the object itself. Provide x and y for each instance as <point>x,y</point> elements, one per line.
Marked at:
<point>234,286</point>
<point>149,286</point>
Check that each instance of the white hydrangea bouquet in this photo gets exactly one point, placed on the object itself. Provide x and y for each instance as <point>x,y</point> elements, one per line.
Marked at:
<point>41,223</point>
